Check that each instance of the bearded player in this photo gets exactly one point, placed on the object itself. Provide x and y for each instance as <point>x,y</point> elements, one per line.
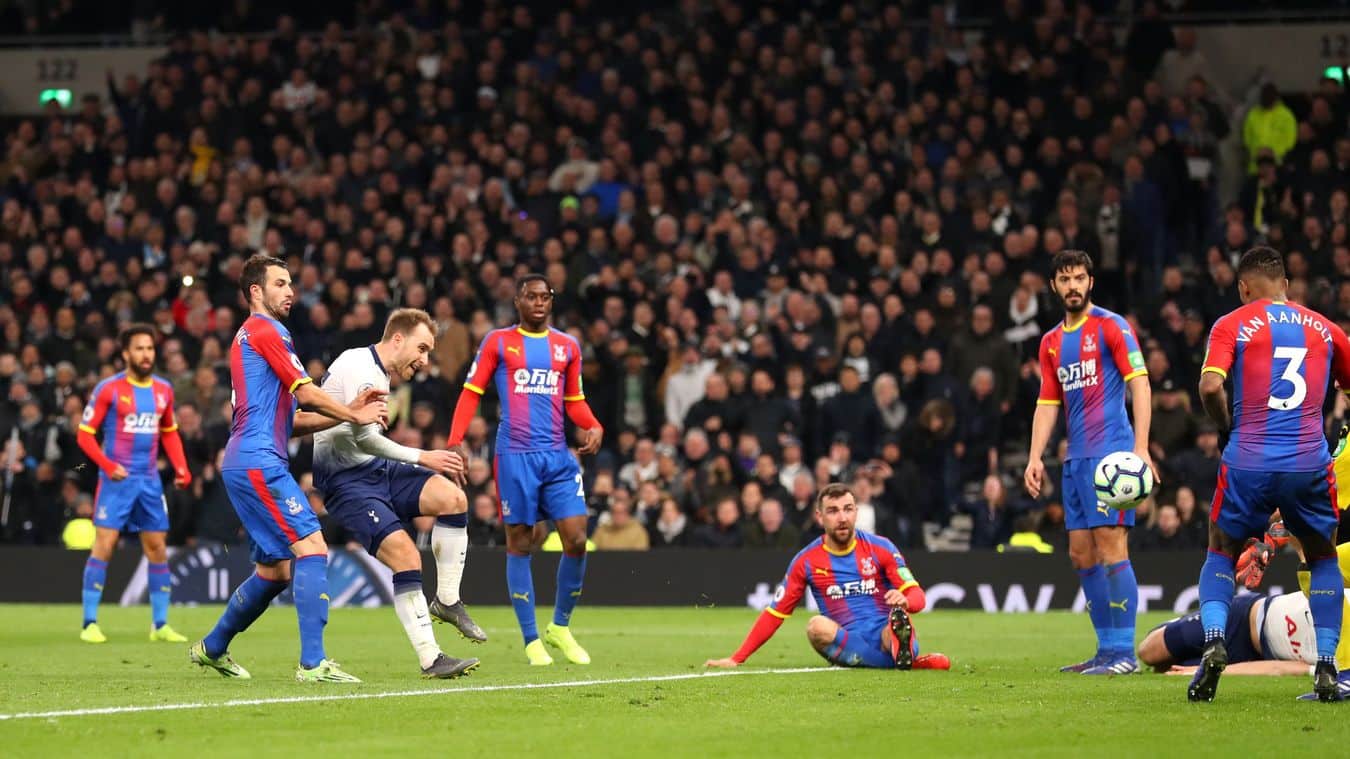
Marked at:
<point>1087,363</point>
<point>134,409</point>
<point>373,487</point>
<point>861,583</point>
<point>537,371</point>
<point>268,384</point>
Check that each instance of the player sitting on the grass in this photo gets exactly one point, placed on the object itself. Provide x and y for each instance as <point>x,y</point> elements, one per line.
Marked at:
<point>865,591</point>
<point>373,487</point>
<point>135,411</point>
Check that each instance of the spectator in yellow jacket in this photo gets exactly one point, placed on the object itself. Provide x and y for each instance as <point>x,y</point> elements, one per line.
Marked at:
<point>1269,126</point>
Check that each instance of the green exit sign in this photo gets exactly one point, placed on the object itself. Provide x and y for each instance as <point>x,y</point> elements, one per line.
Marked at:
<point>61,97</point>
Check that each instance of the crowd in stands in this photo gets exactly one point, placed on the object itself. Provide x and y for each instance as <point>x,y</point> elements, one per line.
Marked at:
<point>796,247</point>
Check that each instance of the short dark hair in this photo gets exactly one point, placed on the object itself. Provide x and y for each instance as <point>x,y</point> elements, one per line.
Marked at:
<point>1263,261</point>
<point>132,330</point>
<point>255,271</point>
<point>1070,259</point>
<point>531,277</point>
<point>832,491</point>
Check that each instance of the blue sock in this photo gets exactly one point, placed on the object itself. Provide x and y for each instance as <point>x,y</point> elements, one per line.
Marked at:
<point>1216,594</point>
<point>520,584</point>
<point>247,603</point>
<point>454,520</point>
<point>1124,604</point>
<point>1095,593</point>
<point>406,581</point>
<point>1324,598</point>
<point>160,586</point>
<point>95,575</point>
<point>571,570</point>
<point>311,606</point>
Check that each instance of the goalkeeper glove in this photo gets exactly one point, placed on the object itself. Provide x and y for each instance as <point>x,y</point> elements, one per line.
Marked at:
<point>1252,564</point>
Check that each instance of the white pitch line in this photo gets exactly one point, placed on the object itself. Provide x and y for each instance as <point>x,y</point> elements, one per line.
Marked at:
<point>401,693</point>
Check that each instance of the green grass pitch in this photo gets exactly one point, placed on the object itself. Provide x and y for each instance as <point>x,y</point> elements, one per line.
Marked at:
<point>1003,696</point>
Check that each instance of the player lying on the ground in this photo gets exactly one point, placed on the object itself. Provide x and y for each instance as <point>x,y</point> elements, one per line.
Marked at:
<point>1266,635</point>
<point>134,409</point>
<point>374,487</point>
<point>865,591</point>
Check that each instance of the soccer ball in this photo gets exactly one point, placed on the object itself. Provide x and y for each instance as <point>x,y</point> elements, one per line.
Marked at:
<point>1122,480</point>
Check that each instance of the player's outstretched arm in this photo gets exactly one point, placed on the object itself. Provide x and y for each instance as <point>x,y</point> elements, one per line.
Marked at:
<point>370,439</point>
<point>767,624</point>
<point>315,399</point>
<point>789,595</point>
<point>309,422</point>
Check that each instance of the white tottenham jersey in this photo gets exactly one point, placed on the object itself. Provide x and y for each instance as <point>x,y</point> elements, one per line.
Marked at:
<point>335,450</point>
<point>1288,629</point>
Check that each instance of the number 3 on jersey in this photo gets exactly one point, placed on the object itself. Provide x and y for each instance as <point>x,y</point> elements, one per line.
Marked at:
<point>1292,374</point>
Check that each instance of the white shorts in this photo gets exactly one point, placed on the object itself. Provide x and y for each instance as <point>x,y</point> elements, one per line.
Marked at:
<point>1287,630</point>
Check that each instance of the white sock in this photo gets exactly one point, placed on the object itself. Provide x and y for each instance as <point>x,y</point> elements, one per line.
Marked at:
<point>451,548</point>
<point>411,608</point>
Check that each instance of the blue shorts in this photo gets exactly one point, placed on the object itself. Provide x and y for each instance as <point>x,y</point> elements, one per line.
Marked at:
<point>1245,499</point>
<point>538,485</point>
<point>135,504</point>
<point>1082,510</point>
<point>1184,637</point>
<point>273,509</point>
<point>859,645</point>
<point>376,500</point>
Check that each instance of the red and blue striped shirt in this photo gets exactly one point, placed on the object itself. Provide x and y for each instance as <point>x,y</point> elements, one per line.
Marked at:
<point>1085,368</point>
<point>1281,357</point>
<point>264,373</point>
<point>849,586</point>
<point>131,416</point>
<point>535,374</point>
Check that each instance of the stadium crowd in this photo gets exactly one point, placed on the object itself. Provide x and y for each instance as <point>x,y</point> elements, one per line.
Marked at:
<point>796,248</point>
